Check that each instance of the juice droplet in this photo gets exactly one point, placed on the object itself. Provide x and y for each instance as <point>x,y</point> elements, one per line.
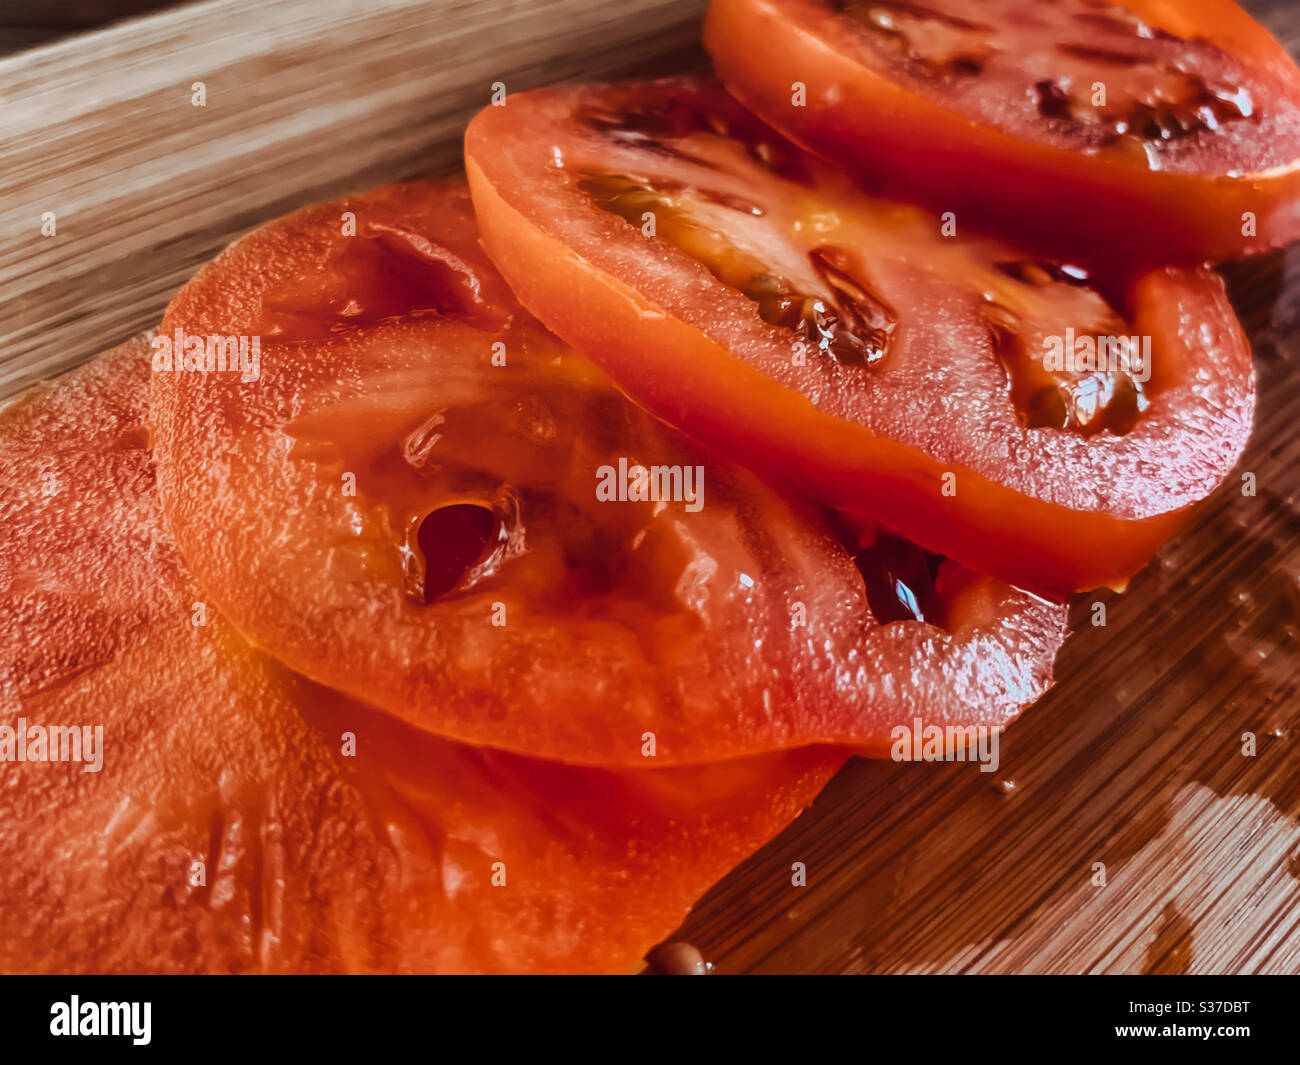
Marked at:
<point>677,959</point>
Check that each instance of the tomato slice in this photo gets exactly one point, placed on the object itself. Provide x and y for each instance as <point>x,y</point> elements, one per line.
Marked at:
<point>841,344</point>
<point>482,582</point>
<point>1160,131</point>
<point>231,828</point>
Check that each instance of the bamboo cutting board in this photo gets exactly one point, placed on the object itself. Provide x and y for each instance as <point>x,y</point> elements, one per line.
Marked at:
<point>1126,830</point>
<point>155,142</point>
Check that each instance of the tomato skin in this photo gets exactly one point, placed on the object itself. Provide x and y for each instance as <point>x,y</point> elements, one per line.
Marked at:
<point>1026,523</point>
<point>1097,206</point>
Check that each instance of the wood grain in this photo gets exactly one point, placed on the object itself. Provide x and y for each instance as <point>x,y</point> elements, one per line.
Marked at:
<point>1134,760</point>
<point>305,100</point>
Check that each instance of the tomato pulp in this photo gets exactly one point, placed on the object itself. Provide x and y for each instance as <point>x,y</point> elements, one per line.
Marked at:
<point>428,502</point>
<point>948,387</point>
<point>242,819</point>
<point>1154,131</point>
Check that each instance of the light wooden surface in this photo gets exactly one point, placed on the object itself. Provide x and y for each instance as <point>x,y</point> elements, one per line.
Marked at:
<point>305,99</point>
<point>1134,760</point>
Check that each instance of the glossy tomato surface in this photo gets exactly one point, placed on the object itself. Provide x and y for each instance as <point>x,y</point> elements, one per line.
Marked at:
<point>1159,131</point>
<point>850,348</point>
<point>427,501</point>
<point>242,819</point>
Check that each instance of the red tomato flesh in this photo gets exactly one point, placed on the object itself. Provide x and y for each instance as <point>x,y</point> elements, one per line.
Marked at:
<point>843,345</point>
<point>1153,131</point>
<point>397,516</point>
<point>231,828</point>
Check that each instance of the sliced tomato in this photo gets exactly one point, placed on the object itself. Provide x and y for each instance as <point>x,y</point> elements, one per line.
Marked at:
<point>411,504</point>
<point>843,345</point>
<point>1162,131</point>
<point>242,819</point>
